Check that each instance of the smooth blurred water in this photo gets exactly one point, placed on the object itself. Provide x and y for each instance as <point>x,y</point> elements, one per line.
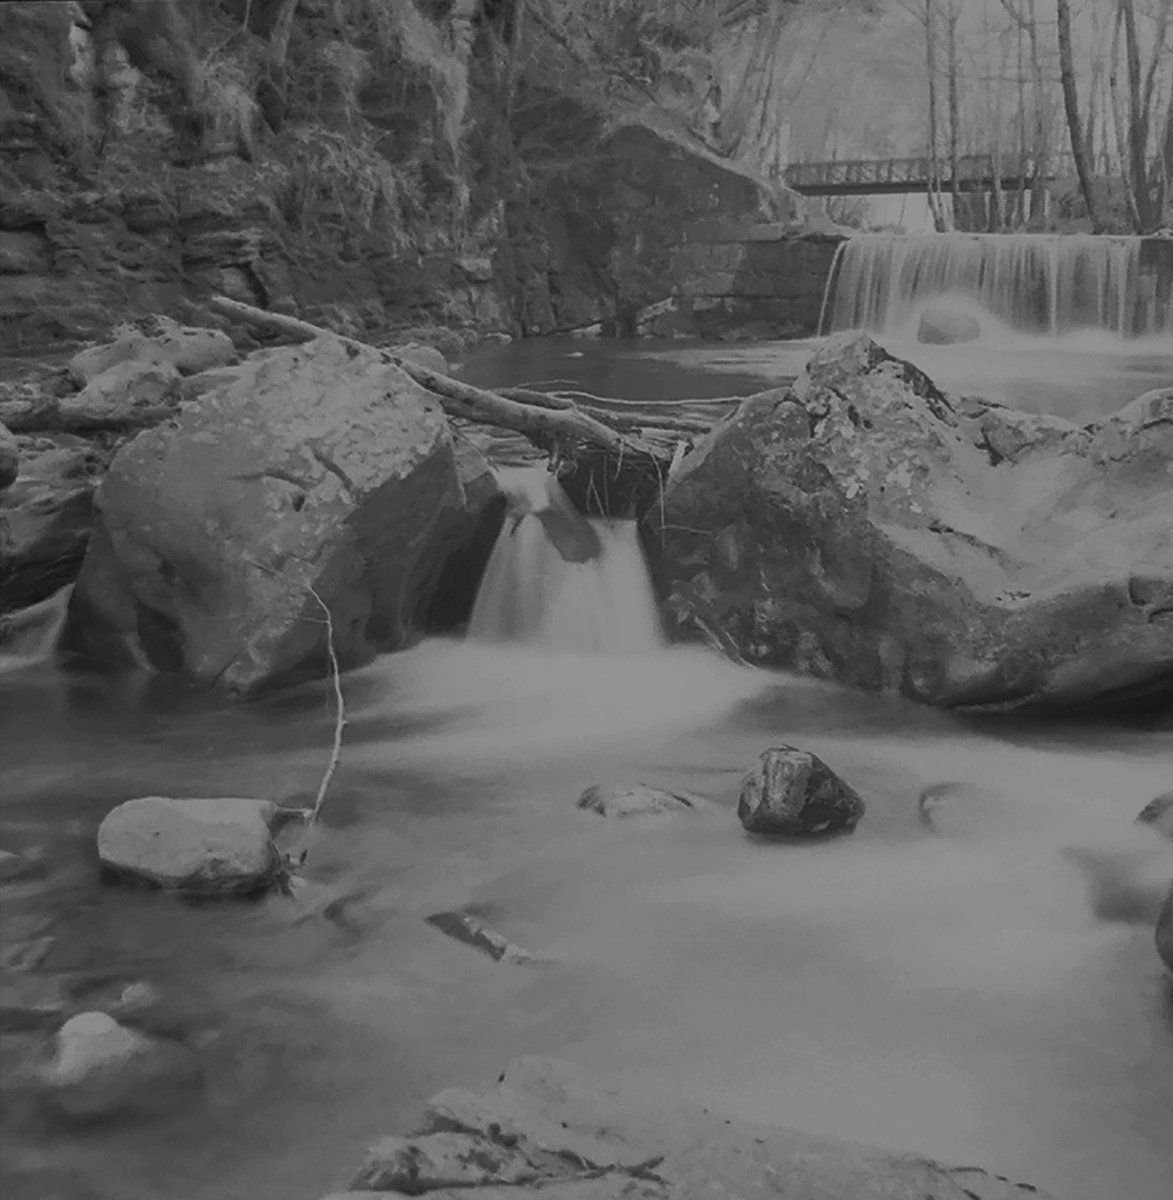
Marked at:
<point>950,994</point>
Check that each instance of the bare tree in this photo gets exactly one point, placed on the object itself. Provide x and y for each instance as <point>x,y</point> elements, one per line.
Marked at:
<point>1071,104</point>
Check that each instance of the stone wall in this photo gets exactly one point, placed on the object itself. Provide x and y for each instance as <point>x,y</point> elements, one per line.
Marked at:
<point>749,281</point>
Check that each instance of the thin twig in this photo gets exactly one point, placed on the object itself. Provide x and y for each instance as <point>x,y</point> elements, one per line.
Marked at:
<point>339,711</point>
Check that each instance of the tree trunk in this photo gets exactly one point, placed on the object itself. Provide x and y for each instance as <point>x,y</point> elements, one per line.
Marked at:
<point>1071,104</point>
<point>934,165</point>
<point>954,114</point>
<point>1138,133</point>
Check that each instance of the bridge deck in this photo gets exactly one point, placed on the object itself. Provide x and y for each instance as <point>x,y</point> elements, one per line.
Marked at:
<point>873,176</point>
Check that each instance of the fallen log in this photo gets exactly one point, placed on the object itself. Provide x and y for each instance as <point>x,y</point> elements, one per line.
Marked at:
<point>543,425</point>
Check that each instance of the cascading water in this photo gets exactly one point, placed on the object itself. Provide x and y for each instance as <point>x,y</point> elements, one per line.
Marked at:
<point>1033,283</point>
<point>532,593</point>
<point>31,635</point>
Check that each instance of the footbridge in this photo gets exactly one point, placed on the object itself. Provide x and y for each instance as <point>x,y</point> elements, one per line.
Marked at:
<point>877,176</point>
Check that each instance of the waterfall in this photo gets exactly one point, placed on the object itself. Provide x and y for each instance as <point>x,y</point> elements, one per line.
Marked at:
<point>1033,283</point>
<point>533,594</point>
<point>30,635</point>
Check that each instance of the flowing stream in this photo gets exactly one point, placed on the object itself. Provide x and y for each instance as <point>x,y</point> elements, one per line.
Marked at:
<point>953,994</point>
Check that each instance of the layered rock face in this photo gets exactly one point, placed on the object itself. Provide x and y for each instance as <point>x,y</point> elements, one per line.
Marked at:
<point>861,527</point>
<point>307,479</point>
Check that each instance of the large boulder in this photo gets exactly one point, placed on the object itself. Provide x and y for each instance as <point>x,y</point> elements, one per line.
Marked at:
<point>793,793</point>
<point>212,845</point>
<point>46,516</point>
<point>310,479</point>
<point>858,527</point>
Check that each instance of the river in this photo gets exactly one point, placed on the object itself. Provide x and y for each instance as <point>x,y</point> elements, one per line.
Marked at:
<point>952,995</point>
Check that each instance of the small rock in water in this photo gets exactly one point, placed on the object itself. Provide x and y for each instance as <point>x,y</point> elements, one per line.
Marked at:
<point>1165,930</point>
<point>793,793</point>
<point>102,1069</point>
<point>969,811</point>
<point>1159,814</point>
<point>473,932</point>
<point>1128,876</point>
<point>638,801</point>
<point>207,846</point>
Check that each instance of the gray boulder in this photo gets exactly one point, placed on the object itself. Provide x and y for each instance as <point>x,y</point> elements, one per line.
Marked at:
<point>638,801</point>
<point>9,457</point>
<point>207,845</point>
<point>101,1070</point>
<point>945,322</point>
<point>859,528</point>
<point>313,475</point>
<point>793,793</point>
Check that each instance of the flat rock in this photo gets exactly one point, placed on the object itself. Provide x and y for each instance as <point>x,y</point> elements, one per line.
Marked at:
<point>638,801</point>
<point>188,350</point>
<point>524,1136</point>
<point>128,393</point>
<point>472,931</point>
<point>207,845</point>
<point>793,793</point>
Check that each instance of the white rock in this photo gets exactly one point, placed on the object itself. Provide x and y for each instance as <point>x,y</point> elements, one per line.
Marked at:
<point>102,1068</point>
<point>215,844</point>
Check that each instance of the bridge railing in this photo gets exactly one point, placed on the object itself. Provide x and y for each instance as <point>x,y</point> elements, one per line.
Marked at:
<point>915,171</point>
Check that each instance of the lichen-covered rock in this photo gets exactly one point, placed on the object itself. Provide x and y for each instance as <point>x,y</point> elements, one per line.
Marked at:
<point>859,528</point>
<point>638,801</point>
<point>793,793</point>
<point>46,517</point>
<point>102,1069</point>
<point>205,845</point>
<point>440,1160</point>
<point>312,469</point>
<point>9,457</point>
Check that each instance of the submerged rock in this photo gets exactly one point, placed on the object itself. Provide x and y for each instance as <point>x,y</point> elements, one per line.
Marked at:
<point>311,469</point>
<point>638,801</point>
<point>207,846</point>
<point>472,931</point>
<point>102,1069</point>
<point>860,528</point>
<point>793,793</point>
<point>945,322</point>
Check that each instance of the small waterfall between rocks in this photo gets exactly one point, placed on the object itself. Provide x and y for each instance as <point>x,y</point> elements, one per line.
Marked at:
<point>534,594</point>
<point>31,635</point>
<point>1034,283</point>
